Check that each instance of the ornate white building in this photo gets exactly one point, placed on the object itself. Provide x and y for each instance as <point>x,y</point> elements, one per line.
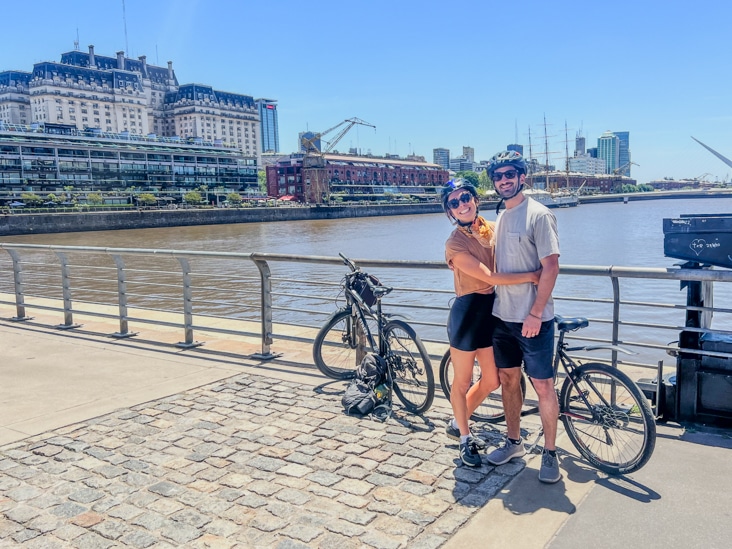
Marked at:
<point>121,95</point>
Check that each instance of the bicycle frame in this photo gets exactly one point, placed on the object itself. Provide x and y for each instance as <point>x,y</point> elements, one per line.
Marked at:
<point>561,356</point>
<point>360,309</point>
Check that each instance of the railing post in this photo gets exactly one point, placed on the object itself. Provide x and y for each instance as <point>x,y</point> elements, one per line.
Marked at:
<point>18,280</point>
<point>616,317</point>
<point>266,293</point>
<point>66,292</point>
<point>187,306</point>
<point>122,299</point>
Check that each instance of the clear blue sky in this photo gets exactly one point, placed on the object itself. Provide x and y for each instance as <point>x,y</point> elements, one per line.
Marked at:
<point>433,73</point>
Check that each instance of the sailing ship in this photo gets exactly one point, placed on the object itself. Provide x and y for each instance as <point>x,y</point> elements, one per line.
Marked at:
<point>551,195</point>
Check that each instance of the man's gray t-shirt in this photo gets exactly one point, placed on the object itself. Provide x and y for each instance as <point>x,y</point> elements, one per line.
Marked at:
<point>524,235</point>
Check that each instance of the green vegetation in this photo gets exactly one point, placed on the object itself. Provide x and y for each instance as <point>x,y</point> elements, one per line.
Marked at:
<point>628,188</point>
<point>193,197</point>
<point>31,200</point>
<point>484,182</point>
<point>94,199</point>
<point>146,199</point>
<point>471,177</point>
<point>234,199</point>
<point>262,182</point>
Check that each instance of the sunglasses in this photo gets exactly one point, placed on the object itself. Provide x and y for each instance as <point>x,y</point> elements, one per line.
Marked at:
<point>455,202</point>
<point>510,174</point>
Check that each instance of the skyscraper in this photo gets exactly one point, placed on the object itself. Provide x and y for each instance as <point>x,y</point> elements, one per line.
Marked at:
<point>441,157</point>
<point>608,148</point>
<point>270,129</point>
<point>624,152</point>
<point>579,145</point>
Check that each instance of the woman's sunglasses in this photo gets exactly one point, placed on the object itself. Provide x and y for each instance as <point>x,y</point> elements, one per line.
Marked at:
<point>455,202</point>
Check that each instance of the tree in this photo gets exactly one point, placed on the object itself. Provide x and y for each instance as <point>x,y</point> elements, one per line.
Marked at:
<point>234,199</point>
<point>193,197</point>
<point>484,182</point>
<point>470,177</point>
<point>262,182</point>
<point>95,199</point>
<point>146,199</point>
<point>31,199</point>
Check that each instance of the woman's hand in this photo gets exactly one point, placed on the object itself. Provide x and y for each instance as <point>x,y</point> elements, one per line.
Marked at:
<point>535,276</point>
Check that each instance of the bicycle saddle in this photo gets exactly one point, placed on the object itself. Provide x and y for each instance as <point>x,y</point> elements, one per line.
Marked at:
<point>570,324</point>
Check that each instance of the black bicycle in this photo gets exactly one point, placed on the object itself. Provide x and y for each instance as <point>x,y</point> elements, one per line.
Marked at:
<point>606,415</point>
<point>361,327</point>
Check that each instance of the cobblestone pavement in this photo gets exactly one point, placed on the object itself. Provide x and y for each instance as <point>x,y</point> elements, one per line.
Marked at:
<point>248,462</point>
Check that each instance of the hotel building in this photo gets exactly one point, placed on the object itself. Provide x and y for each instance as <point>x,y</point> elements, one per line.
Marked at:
<point>121,95</point>
<point>109,123</point>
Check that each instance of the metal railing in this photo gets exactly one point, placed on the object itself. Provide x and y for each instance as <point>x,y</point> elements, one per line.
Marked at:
<point>279,295</point>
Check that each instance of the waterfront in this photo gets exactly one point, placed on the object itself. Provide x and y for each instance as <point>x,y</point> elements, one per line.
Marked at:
<point>600,234</point>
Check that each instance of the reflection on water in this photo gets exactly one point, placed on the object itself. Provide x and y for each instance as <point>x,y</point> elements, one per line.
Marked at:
<point>596,234</point>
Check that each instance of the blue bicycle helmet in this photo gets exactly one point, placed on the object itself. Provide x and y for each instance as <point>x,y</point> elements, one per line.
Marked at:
<point>501,160</point>
<point>455,185</point>
<point>507,158</point>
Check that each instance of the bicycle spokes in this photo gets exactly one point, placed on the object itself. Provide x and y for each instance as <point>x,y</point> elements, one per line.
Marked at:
<point>607,419</point>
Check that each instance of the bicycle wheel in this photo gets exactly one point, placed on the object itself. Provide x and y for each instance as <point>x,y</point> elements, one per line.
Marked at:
<point>414,381</point>
<point>607,418</point>
<point>338,349</point>
<point>491,409</point>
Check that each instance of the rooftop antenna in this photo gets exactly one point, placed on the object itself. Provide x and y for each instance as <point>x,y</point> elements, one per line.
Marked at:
<point>124,21</point>
<point>515,122</point>
<point>76,42</point>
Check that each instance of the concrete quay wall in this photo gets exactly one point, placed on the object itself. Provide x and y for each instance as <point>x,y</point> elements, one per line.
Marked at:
<point>44,223</point>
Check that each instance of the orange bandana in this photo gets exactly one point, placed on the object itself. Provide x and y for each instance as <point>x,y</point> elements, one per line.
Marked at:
<point>480,230</point>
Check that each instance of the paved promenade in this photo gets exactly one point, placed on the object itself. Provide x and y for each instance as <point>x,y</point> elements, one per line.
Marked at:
<point>126,443</point>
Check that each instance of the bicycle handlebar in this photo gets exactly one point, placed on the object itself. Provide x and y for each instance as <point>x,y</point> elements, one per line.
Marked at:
<point>351,265</point>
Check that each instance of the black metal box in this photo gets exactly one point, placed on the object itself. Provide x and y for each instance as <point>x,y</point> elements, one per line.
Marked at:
<point>714,378</point>
<point>704,239</point>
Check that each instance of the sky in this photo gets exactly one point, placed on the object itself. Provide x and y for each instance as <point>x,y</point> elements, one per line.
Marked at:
<point>430,73</point>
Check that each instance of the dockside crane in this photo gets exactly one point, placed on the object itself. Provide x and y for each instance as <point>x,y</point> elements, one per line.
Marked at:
<point>309,144</point>
<point>619,171</point>
<point>314,160</point>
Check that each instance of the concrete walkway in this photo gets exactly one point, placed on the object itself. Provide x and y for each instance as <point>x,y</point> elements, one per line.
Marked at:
<point>127,443</point>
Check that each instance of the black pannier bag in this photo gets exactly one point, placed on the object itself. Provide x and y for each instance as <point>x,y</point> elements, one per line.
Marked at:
<point>361,394</point>
<point>362,288</point>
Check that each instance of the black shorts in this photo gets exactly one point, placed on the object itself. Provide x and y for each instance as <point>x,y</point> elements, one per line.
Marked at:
<point>537,353</point>
<point>470,324</point>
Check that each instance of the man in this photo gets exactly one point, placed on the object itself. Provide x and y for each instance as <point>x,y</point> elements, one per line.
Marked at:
<point>526,239</point>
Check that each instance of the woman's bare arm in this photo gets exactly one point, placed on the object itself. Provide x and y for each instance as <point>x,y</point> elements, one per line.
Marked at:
<point>470,265</point>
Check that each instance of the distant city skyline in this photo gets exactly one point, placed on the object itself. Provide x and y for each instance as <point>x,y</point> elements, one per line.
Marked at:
<point>496,88</point>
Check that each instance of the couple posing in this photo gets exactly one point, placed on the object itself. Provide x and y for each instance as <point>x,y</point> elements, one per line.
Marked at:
<point>504,275</point>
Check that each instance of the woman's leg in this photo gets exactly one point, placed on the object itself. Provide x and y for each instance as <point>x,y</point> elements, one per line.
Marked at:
<point>462,367</point>
<point>489,381</point>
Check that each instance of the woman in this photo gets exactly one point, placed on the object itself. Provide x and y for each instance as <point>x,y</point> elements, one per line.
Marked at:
<point>469,253</point>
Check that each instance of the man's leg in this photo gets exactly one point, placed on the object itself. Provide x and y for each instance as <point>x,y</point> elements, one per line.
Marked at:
<point>548,410</point>
<point>538,354</point>
<point>513,446</point>
<point>513,400</point>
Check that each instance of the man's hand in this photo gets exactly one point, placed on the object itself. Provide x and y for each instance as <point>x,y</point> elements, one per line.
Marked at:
<point>531,326</point>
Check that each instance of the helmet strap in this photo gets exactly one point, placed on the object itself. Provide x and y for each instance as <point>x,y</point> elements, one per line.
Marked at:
<point>464,224</point>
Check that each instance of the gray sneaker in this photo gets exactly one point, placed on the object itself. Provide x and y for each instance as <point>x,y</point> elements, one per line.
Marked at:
<point>506,452</point>
<point>549,471</point>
